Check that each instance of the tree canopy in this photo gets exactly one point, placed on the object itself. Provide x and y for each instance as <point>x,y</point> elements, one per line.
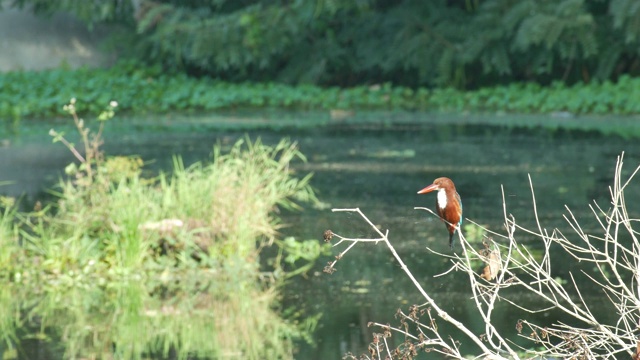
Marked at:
<point>461,43</point>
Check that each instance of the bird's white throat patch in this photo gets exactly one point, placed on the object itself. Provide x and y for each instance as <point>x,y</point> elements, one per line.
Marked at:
<point>442,199</point>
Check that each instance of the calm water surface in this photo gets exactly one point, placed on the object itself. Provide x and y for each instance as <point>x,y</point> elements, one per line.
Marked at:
<point>379,168</point>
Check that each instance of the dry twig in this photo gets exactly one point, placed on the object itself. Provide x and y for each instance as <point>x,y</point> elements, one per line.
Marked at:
<point>615,255</point>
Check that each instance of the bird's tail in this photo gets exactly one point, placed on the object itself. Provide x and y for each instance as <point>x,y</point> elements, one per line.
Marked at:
<point>451,240</point>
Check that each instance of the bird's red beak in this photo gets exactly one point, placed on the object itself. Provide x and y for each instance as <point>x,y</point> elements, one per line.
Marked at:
<point>429,188</point>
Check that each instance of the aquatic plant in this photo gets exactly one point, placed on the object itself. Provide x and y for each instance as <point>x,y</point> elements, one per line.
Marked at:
<point>510,270</point>
<point>147,90</point>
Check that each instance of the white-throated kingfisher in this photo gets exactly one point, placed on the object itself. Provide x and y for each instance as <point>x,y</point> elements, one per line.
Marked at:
<point>448,204</point>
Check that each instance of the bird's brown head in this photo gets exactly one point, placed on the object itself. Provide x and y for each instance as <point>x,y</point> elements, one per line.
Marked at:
<point>439,183</point>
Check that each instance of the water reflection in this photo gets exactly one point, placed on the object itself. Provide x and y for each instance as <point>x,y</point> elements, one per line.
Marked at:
<point>378,169</point>
<point>176,316</point>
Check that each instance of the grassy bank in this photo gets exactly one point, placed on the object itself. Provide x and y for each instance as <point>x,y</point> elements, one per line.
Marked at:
<point>116,219</point>
<point>178,251</point>
<point>143,90</point>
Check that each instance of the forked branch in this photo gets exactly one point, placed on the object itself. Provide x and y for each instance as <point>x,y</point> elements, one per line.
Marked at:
<point>615,254</point>
<point>442,314</point>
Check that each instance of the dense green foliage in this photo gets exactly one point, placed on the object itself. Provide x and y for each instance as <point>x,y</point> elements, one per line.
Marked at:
<point>460,43</point>
<point>141,90</point>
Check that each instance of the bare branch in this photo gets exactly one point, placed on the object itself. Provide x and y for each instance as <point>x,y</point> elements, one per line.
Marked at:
<point>614,253</point>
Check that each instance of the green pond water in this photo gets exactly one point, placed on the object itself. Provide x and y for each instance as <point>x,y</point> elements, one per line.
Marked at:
<point>376,162</point>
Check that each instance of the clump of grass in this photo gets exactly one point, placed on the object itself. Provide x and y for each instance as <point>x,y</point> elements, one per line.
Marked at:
<point>109,216</point>
<point>235,196</point>
<point>195,232</point>
<point>8,232</point>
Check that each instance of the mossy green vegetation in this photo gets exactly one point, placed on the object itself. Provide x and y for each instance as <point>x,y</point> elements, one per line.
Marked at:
<point>118,258</point>
<point>148,90</point>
